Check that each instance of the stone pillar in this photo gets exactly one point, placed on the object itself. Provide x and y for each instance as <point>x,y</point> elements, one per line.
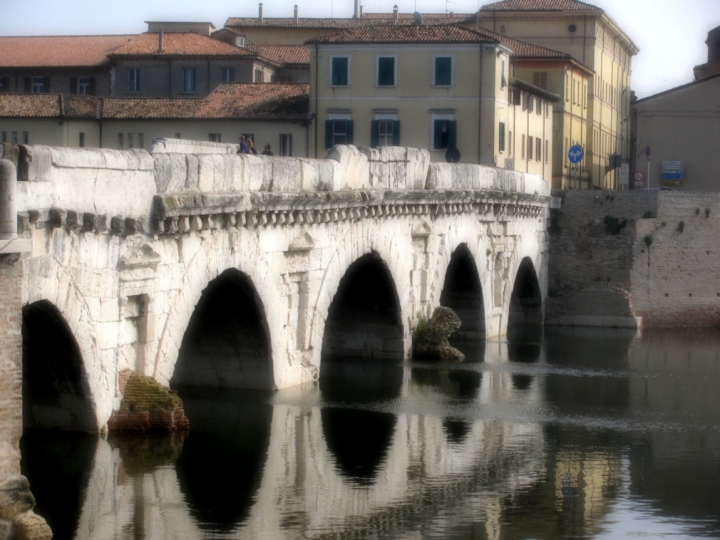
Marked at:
<point>17,519</point>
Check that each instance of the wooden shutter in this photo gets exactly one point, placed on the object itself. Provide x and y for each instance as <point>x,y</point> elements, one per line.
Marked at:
<point>374,133</point>
<point>28,84</point>
<point>46,85</point>
<point>452,134</point>
<point>437,137</point>
<point>349,131</point>
<point>73,85</point>
<point>328,133</point>
<point>396,132</point>
<point>93,86</point>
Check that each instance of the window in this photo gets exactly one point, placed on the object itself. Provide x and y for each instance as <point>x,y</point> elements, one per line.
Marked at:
<point>538,148</point>
<point>121,141</point>
<point>131,140</point>
<point>83,86</point>
<point>529,148</point>
<point>3,136</point>
<point>516,96</point>
<point>540,79</point>
<point>538,106</point>
<point>530,101</point>
<point>189,78</point>
<point>501,137</point>
<point>338,131</point>
<point>547,110</point>
<point>567,87</point>
<point>259,76</point>
<point>385,71</point>
<point>444,133</point>
<point>81,139</point>
<point>4,84</point>
<point>339,71</point>
<point>38,85</point>
<point>25,137</point>
<point>177,136</point>
<point>133,80</point>
<point>227,74</point>
<point>285,144</point>
<point>385,132</point>
<point>214,137</point>
<point>443,72</point>
<point>141,140</point>
<point>14,139</point>
<point>511,145</point>
<point>565,154</point>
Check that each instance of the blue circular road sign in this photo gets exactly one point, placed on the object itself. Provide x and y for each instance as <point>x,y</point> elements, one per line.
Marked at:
<point>576,153</point>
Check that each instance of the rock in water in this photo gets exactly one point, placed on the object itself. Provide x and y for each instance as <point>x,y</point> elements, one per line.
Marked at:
<point>430,339</point>
<point>147,406</point>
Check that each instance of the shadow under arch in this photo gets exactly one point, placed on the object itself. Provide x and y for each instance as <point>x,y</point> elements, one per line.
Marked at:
<point>226,343</point>
<point>462,293</point>
<point>364,318</point>
<point>362,347</point>
<point>526,301</point>
<point>56,392</point>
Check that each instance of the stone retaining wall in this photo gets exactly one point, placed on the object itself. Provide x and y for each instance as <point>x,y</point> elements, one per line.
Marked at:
<point>616,258</point>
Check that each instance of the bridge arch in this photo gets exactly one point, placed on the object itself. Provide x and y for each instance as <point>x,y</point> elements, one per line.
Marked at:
<point>388,254</point>
<point>209,256</point>
<point>462,292</point>
<point>49,282</point>
<point>526,302</point>
<point>56,390</point>
<point>227,340</point>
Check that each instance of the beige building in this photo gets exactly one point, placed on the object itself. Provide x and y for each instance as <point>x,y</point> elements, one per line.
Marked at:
<point>592,38</point>
<point>275,114</point>
<point>682,129</point>
<point>440,87</point>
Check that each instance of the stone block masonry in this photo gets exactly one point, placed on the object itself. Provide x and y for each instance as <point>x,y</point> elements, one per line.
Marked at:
<point>625,259</point>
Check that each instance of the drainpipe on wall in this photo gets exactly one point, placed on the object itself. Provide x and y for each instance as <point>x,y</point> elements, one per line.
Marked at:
<point>317,90</point>
<point>479,146</point>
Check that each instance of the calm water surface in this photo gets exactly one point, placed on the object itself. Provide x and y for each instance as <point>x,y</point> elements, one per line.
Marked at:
<point>576,433</point>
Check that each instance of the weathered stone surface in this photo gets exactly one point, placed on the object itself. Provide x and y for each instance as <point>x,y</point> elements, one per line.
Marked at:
<point>147,406</point>
<point>15,497</point>
<point>354,166</point>
<point>30,526</point>
<point>430,339</point>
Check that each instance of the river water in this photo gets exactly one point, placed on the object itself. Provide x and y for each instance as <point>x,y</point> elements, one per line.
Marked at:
<point>577,433</point>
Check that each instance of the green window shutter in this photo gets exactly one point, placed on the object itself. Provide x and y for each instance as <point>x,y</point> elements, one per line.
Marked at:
<point>443,71</point>
<point>374,133</point>
<point>396,132</point>
<point>93,86</point>
<point>452,136</point>
<point>328,133</point>
<point>386,71</point>
<point>339,71</point>
<point>437,136</point>
<point>349,131</point>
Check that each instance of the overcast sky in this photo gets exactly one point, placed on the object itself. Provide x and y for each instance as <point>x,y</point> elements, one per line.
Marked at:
<point>670,33</point>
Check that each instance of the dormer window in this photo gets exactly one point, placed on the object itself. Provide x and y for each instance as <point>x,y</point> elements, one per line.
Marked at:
<point>239,41</point>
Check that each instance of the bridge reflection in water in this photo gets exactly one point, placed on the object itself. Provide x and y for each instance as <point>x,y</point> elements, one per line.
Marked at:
<point>575,434</point>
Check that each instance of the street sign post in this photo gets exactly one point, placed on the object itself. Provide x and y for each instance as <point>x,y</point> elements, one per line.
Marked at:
<point>639,179</point>
<point>624,174</point>
<point>647,155</point>
<point>575,155</point>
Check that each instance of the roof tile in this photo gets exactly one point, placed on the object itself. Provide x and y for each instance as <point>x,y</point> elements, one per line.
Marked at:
<point>540,5</point>
<point>47,106</point>
<point>282,54</point>
<point>177,44</point>
<point>368,19</point>
<point>408,34</point>
<point>58,51</point>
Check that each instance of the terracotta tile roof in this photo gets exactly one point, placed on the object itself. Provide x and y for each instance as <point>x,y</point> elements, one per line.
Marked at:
<point>47,106</point>
<point>408,34</point>
<point>261,101</point>
<point>522,49</point>
<point>282,54</point>
<point>58,51</point>
<point>177,44</point>
<point>540,5</point>
<point>230,101</point>
<point>368,19</point>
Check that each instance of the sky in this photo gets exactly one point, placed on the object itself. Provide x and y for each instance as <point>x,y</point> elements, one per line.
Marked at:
<point>669,33</point>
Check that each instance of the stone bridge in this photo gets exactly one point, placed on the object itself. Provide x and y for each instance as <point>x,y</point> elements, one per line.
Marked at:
<point>202,267</point>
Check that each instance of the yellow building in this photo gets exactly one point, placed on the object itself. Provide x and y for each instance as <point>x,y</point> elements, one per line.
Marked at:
<point>439,87</point>
<point>592,38</point>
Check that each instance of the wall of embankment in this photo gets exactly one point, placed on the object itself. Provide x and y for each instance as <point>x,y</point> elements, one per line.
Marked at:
<point>649,258</point>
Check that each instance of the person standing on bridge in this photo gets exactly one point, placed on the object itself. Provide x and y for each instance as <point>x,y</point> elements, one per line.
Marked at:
<point>243,145</point>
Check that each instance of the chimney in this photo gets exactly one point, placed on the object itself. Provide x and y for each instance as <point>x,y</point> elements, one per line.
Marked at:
<point>395,14</point>
<point>260,15</point>
<point>358,10</point>
<point>361,11</point>
<point>161,38</point>
<point>296,14</point>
